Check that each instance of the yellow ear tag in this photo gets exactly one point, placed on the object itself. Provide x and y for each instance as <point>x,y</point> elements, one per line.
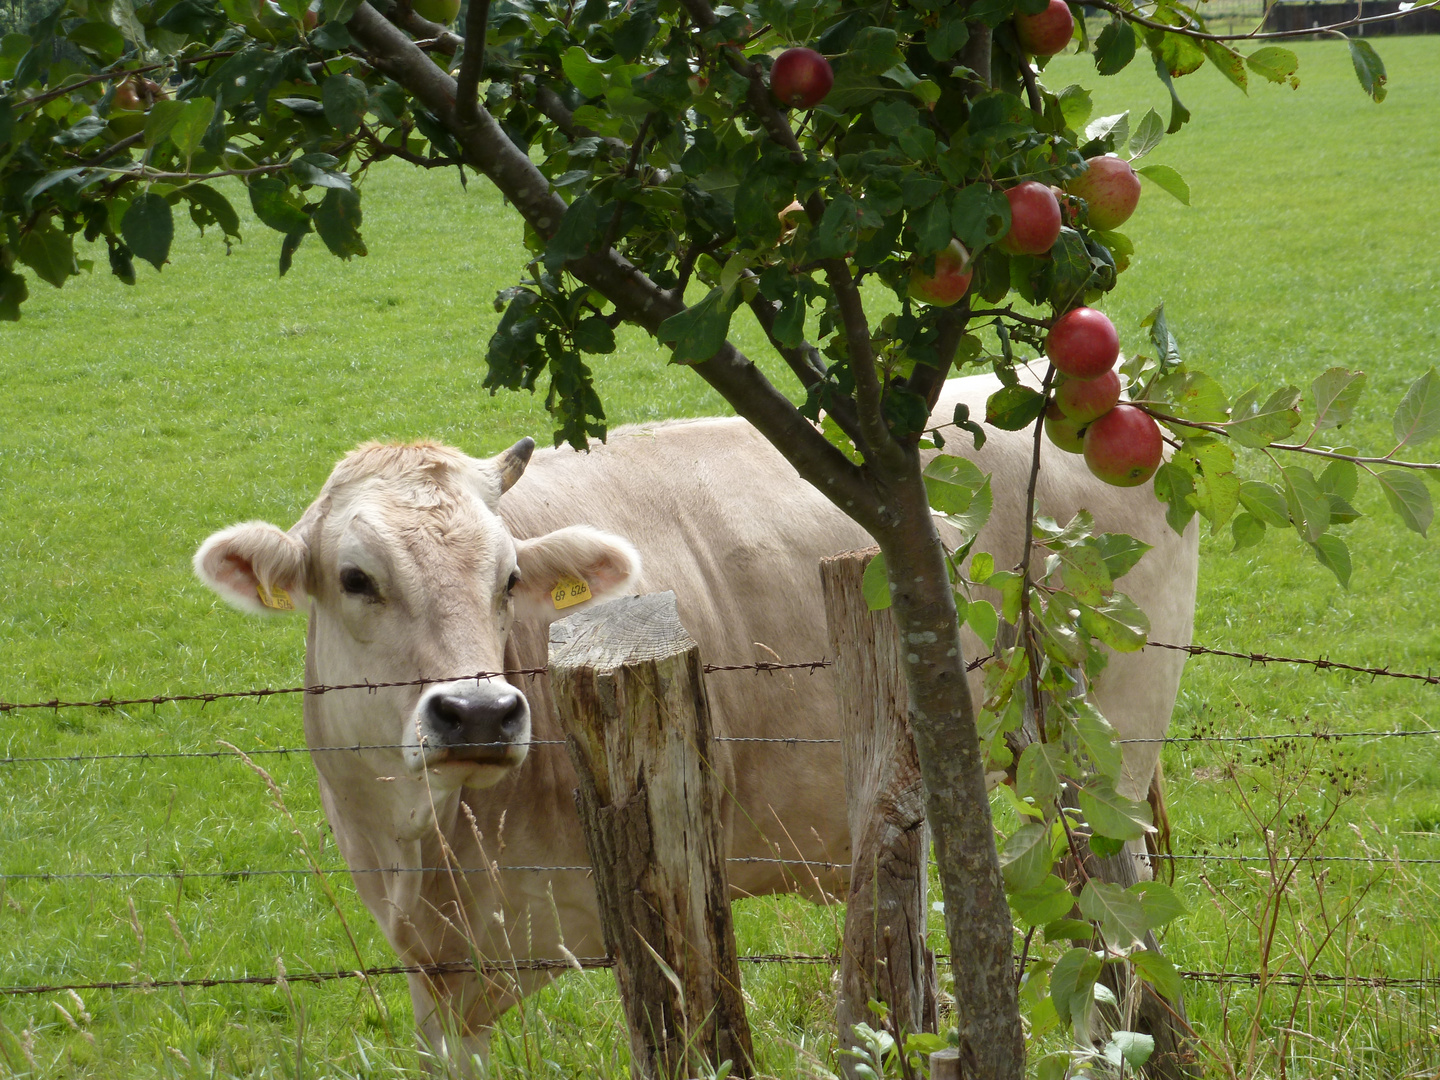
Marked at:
<point>277,599</point>
<point>568,592</point>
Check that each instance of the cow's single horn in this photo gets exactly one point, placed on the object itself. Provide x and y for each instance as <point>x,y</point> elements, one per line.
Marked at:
<point>513,461</point>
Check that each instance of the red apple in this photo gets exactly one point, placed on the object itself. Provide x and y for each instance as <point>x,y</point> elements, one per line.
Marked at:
<point>1047,33</point>
<point>1082,400</point>
<point>1083,344</point>
<point>1034,219</point>
<point>1064,432</point>
<point>1124,446</point>
<point>1110,187</point>
<point>948,283</point>
<point>800,78</point>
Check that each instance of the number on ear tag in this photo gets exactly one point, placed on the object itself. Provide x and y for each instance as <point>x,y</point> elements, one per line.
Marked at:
<point>277,598</point>
<point>568,592</point>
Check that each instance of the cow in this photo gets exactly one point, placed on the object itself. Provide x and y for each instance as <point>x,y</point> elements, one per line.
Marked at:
<point>419,561</point>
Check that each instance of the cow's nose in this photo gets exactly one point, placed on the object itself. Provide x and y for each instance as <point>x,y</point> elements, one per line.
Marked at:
<point>462,718</point>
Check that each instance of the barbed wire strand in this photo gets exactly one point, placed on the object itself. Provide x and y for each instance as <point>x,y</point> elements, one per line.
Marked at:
<point>589,963</point>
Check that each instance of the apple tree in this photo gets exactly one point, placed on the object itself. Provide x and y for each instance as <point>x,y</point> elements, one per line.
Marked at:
<point>876,182</point>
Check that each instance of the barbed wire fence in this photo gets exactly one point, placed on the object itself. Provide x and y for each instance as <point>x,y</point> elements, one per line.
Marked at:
<point>1289,979</point>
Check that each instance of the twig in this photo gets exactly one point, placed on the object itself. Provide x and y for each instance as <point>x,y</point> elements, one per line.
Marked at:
<point>472,62</point>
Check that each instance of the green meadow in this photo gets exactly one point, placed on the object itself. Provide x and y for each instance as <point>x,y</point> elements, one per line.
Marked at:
<point>136,421</point>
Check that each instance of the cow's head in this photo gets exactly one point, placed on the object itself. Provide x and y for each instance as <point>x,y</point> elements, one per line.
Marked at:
<point>410,573</point>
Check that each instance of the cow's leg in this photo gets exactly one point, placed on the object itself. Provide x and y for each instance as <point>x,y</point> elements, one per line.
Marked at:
<point>455,1015</point>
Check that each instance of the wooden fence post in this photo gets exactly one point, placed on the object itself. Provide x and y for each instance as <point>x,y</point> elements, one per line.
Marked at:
<point>629,690</point>
<point>884,955</point>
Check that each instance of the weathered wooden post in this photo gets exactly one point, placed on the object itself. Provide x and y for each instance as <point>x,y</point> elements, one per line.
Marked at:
<point>884,955</point>
<point>630,692</point>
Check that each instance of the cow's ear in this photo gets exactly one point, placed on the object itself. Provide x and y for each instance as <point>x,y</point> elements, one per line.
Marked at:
<point>569,567</point>
<point>254,566</point>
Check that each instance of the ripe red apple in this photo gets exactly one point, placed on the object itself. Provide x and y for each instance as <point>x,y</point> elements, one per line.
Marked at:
<point>953,271</point>
<point>1124,446</point>
<point>1047,33</point>
<point>127,97</point>
<point>800,78</point>
<point>1083,344</point>
<point>1110,187</point>
<point>1034,219</point>
<point>440,11</point>
<point>1064,432</point>
<point>1082,400</point>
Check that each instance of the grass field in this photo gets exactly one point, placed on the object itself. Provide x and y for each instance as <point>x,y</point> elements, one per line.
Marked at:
<point>134,422</point>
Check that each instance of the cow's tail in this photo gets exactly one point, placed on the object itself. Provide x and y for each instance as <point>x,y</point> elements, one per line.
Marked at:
<point>1157,844</point>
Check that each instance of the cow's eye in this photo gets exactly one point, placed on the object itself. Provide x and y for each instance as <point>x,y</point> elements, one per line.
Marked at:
<point>514,580</point>
<point>356,582</point>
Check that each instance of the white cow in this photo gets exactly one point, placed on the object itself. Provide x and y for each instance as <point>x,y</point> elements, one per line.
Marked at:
<point>420,561</point>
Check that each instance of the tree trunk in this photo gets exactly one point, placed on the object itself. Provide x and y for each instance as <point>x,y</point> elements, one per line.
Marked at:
<point>883,957</point>
<point>942,717</point>
<point>630,692</point>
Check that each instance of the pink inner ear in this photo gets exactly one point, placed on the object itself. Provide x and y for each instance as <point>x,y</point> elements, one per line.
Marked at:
<point>236,574</point>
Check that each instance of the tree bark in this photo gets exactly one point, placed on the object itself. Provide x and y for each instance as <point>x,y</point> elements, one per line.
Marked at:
<point>629,690</point>
<point>977,917</point>
<point>883,956</point>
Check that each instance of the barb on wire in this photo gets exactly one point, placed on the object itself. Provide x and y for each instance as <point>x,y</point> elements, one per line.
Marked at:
<point>322,688</point>
<point>1282,736</point>
<point>1318,663</point>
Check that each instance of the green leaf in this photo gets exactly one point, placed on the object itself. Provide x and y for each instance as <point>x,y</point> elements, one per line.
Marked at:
<point>212,207</point>
<point>578,229</point>
<point>288,247</point>
<point>1180,53</point>
<point>948,38</point>
<point>1409,497</point>
<point>1334,556</point>
<point>1174,485</point>
<point>1159,972</point>
<point>1418,416</point>
<point>981,617</point>
<point>1098,739</point>
<point>1368,67</point>
<point>593,335</point>
<point>1166,178</point>
<point>1228,62</point>
<point>979,216</point>
<point>991,12</point>
<point>1169,349</point>
<point>699,332</point>
<point>1085,573</point>
<point>1266,503</point>
<point>1118,622</point>
<point>1076,106</point>
<point>1247,532</point>
<point>1042,769</point>
<point>873,49</point>
<point>1118,913</point>
<point>1070,269</point>
<point>337,220</point>
<point>99,38</point>
<point>1111,814</point>
<point>1336,392</point>
<point>1340,478</point>
<point>1160,902</point>
<point>13,293</point>
<point>1274,63</point>
<point>270,199</point>
<point>1048,901</point>
<point>1148,134</point>
<point>1072,983</point>
<point>838,231</point>
<point>1309,508</point>
<point>1014,407</point>
<point>1115,46</point>
<point>1193,395</point>
<point>1120,552</point>
<point>163,116</point>
<point>49,252</point>
<point>1026,859</point>
<point>1133,1048</point>
<point>1113,131</point>
<point>148,228</point>
<point>1179,114</point>
<point>345,100</point>
<point>875,584</point>
<point>190,126</point>
<point>585,73</point>
<point>1254,424</point>
<point>1068,930</point>
<point>952,483</point>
